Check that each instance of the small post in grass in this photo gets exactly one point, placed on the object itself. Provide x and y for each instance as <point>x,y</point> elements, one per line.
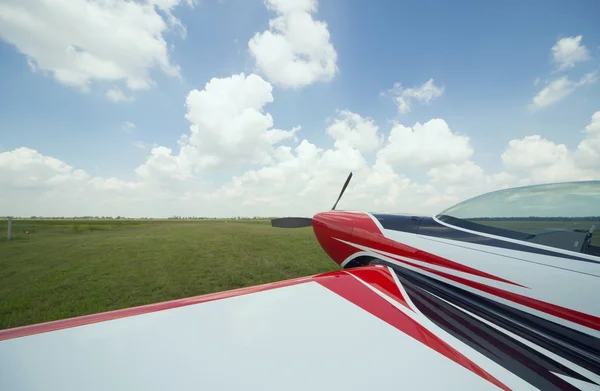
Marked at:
<point>9,228</point>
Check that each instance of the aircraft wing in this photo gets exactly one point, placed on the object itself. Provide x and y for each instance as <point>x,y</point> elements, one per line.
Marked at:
<point>352,329</point>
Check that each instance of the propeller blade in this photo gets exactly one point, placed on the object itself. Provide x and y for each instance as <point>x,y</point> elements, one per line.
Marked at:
<point>343,190</point>
<point>291,222</point>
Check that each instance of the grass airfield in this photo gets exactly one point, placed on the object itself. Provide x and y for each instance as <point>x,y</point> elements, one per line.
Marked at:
<point>67,268</point>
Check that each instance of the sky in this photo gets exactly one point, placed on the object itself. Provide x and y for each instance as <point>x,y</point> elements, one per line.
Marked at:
<point>222,108</point>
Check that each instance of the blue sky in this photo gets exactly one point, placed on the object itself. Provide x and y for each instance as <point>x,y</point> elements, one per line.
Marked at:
<point>485,55</point>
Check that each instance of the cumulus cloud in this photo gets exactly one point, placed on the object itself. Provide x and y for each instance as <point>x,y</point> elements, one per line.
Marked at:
<point>162,166</point>
<point>301,179</point>
<point>26,168</point>
<point>296,50</point>
<point>308,179</point>
<point>588,150</point>
<point>276,174</point>
<point>465,173</point>
<point>228,123</point>
<point>569,51</point>
<point>427,145</point>
<point>531,152</point>
<point>82,42</point>
<point>355,131</point>
<point>35,184</point>
<point>538,160</point>
<point>559,89</point>
<point>405,97</point>
<point>227,127</point>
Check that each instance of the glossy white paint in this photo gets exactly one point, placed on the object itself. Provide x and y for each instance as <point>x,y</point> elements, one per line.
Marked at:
<point>581,385</point>
<point>566,286</point>
<point>574,367</point>
<point>293,338</point>
<point>501,373</point>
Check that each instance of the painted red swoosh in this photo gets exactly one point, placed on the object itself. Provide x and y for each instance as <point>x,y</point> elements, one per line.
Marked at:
<point>359,228</point>
<point>382,281</point>
<point>330,225</point>
<point>357,293</point>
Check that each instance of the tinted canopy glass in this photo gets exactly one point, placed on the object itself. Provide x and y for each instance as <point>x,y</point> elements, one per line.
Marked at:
<point>562,215</point>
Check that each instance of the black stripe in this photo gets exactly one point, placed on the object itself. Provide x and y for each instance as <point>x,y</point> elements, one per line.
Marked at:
<point>534,367</point>
<point>427,226</point>
<point>399,222</point>
<point>512,355</point>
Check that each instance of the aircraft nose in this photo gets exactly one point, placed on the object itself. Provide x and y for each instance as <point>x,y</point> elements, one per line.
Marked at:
<point>332,228</point>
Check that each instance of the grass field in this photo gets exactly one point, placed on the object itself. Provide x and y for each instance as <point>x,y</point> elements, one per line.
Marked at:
<point>67,268</point>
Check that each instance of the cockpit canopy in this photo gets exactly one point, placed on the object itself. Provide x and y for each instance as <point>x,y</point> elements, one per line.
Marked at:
<point>560,215</point>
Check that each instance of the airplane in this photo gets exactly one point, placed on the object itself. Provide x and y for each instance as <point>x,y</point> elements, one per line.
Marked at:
<point>498,292</point>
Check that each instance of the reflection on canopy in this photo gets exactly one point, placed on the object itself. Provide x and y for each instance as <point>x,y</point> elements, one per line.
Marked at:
<point>561,215</point>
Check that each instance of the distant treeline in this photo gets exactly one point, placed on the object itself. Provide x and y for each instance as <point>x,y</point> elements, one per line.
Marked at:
<point>535,218</point>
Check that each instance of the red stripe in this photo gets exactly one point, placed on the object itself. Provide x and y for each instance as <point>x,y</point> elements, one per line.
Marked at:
<point>357,293</point>
<point>363,222</point>
<point>126,312</point>
<point>330,225</point>
<point>366,237</point>
<point>360,228</point>
<point>580,318</point>
<point>382,280</point>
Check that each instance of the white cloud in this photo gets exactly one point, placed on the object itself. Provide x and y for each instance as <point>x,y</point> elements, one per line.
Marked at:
<point>116,95</point>
<point>427,145</point>
<point>537,160</point>
<point>227,127</point>
<point>559,89</point>
<point>300,180</point>
<point>355,131</point>
<point>128,126</point>
<point>34,184</point>
<point>569,51</point>
<point>82,42</point>
<point>296,50</point>
<point>308,179</point>
<point>465,173</point>
<point>304,180</point>
<point>25,168</point>
<point>404,97</point>
<point>588,150</point>
<point>301,177</point>
<point>531,152</point>
<point>162,166</point>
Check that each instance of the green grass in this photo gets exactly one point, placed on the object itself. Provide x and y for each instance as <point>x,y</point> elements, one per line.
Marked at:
<point>68,268</point>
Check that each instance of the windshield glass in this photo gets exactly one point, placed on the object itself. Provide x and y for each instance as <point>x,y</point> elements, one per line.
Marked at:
<point>562,215</point>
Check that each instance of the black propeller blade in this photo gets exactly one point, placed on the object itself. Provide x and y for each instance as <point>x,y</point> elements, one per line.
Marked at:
<point>291,222</point>
<point>343,190</point>
<point>299,222</point>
